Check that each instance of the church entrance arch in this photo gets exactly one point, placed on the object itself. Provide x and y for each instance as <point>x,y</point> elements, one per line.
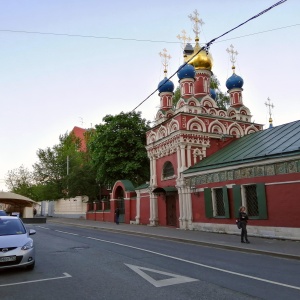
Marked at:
<point>120,203</point>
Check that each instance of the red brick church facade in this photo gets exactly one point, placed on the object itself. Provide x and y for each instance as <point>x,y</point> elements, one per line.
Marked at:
<point>205,162</point>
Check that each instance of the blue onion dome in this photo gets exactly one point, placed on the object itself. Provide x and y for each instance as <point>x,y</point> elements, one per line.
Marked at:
<point>234,81</point>
<point>187,71</point>
<point>213,93</point>
<point>166,86</point>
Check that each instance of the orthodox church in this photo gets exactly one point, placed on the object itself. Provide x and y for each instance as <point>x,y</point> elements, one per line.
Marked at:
<point>205,162</point>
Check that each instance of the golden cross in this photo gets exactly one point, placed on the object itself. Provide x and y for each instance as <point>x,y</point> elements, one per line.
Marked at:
<point>165,59</point>
<point>270,106</point>
<point>232,54</point>
<point>184,38</point>
<point>195,18</point>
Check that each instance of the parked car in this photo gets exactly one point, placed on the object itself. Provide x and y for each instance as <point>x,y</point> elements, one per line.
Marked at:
<point>16,246</point>
<point>3,213</point>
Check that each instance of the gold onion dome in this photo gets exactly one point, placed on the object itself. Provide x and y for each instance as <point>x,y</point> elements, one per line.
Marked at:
<point>202,61</point>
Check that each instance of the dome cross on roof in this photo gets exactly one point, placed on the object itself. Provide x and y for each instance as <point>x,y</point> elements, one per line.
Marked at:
<point>184,39</point>
<point>271,106</point>
<point>165,58</point>
<point>232,56</point>
<point>195,18</point>
<point>165,85</point>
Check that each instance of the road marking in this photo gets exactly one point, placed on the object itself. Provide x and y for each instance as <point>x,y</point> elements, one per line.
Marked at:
<point>66,232</point>
<point>43,227</point>
<point>38,280</point>
<point>174,278</point>
<point>199,264</point>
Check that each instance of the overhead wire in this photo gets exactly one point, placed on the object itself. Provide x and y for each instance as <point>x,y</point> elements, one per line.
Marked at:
<point>134,39</point>
<point>207,45</point>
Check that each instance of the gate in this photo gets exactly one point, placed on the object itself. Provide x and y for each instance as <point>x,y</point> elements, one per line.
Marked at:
<point>121,206</point>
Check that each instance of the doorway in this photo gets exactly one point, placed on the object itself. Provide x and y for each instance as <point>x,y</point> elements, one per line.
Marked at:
<point>171,210</point>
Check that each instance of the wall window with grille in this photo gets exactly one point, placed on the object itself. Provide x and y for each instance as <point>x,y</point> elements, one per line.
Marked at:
<point>216,202</point>
<point>168,170</point>
<point>253,197</point>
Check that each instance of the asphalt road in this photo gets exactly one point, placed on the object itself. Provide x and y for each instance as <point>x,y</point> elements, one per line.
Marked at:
<point>80,263</point>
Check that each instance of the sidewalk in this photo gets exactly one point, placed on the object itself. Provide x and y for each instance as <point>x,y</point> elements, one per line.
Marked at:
<point>274,247</point>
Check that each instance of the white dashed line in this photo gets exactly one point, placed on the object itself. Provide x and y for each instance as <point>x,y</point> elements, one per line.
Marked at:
<point>38,280</point>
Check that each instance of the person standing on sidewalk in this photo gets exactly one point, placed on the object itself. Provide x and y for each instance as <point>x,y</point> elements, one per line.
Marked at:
<point>243,217</point>
<point>117,215</point>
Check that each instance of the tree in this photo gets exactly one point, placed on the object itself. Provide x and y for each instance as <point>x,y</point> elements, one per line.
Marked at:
<point>117,148</point>
<point>176,96</point>
<point>64,170</point>
<point>20,181</point>
<point>222,99</point>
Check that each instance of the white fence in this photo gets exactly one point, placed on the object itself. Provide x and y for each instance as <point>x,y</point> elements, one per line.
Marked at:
<point>65,208</point>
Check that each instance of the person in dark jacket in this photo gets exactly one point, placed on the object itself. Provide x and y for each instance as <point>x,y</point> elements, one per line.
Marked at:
<point>117,215</point>
<point>243,217</point>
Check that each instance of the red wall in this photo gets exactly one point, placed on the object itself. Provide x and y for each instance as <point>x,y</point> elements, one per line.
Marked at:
<point>102,216</point>
<point>283,201</point>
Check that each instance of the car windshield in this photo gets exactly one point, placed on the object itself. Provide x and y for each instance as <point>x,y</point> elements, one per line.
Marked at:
<point>11,227</point>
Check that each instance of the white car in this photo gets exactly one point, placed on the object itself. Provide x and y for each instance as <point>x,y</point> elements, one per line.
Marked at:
<point>16,247</point>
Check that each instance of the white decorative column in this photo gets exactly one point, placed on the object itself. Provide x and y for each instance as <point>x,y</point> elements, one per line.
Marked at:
<point>189,156</point>
<point>189,209</point>
<point>154,175</point>
<point>153,210</point>
<point>178,161</point>
<point>182,156</point>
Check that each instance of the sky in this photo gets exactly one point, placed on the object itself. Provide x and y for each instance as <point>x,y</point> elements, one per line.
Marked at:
<point>66,63</point>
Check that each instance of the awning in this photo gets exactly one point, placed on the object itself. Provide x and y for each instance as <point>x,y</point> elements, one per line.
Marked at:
<point>165,190</point>
<point>15,199</point>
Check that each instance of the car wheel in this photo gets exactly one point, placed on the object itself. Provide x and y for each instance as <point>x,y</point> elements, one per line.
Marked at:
<point>30,267</point>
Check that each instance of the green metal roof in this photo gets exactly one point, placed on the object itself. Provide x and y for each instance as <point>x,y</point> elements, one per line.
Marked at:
<point>128,185</point>
<point>279,141</point>
<point>142,186</point>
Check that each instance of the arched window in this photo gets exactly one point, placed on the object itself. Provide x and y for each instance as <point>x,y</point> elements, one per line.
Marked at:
<point>168,170</point>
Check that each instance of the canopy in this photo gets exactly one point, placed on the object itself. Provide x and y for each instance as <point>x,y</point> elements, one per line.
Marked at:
<point>165,190</point>
<point>15,199</point>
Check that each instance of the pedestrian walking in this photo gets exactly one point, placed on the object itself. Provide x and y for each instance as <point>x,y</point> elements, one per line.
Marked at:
<point>243,218</point>
<point>117,215</point>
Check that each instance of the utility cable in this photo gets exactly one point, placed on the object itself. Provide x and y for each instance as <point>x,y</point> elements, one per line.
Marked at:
<point>133,39</point>
<point>207,45</point>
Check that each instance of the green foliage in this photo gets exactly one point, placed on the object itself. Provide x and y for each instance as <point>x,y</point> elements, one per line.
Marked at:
<point>177,95</point>
<point>118,149</point>
<point>222,99</point>
<point>64,171</point>
<point>214,82</point>
<point>20,181</point>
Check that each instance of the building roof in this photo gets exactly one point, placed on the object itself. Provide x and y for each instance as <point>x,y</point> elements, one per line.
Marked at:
<point>16,199</point>
<point>127,185</point>
<point>79,132</point>
<point>279,141</point>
